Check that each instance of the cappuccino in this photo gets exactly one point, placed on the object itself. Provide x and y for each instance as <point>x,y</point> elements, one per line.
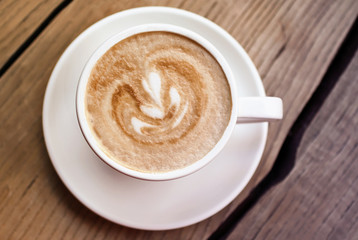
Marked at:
<point>157,102</point>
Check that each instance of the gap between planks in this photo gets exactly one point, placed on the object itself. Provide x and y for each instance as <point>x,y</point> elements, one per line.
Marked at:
<point>12,59</point>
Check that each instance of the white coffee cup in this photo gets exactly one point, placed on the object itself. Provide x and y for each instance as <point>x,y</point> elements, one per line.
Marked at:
<point>244,109</point>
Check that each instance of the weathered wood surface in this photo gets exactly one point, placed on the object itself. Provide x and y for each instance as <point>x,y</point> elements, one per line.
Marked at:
<point>318,200</point>
<point>19,19</point>
<point>291,43</point>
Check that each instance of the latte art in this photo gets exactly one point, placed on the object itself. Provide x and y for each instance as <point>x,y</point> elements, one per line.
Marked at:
<point>157,102</point>
<point>158,116</point>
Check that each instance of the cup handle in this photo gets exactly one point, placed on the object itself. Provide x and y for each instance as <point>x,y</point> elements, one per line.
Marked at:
<point>259,109</point>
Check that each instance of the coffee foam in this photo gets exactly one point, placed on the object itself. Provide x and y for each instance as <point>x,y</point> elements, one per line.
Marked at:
<point>157,102</point>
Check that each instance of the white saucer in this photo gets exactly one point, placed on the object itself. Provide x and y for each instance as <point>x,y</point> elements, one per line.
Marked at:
<point>136,203</point>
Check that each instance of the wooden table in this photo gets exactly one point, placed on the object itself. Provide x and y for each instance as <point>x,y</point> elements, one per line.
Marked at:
<point>306,186</point>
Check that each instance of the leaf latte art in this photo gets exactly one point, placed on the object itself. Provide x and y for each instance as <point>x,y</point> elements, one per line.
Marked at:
<point>157,102</point>
<point>160,111</point>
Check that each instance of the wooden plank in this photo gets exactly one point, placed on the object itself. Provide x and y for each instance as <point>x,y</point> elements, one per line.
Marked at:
<point>291,43</point>
<point>19,19</point>
<point>318,200</point>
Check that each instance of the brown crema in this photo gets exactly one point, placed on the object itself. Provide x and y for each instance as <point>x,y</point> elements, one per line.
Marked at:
<point>157,102</point>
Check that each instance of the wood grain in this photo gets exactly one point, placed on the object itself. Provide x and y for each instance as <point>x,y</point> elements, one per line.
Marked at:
<point>291,42</point>
<point>19,19</point>
<point>318,200</point>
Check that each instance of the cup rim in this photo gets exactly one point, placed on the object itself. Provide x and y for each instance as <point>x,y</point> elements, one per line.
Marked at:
<point>87,132</point>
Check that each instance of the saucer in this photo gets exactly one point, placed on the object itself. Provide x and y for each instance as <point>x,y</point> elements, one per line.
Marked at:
<point>137,203</point>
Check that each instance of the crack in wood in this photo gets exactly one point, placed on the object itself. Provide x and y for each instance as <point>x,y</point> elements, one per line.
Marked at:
<point>285,161</point>
<point>33,36</point>
<point>29,186</point>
